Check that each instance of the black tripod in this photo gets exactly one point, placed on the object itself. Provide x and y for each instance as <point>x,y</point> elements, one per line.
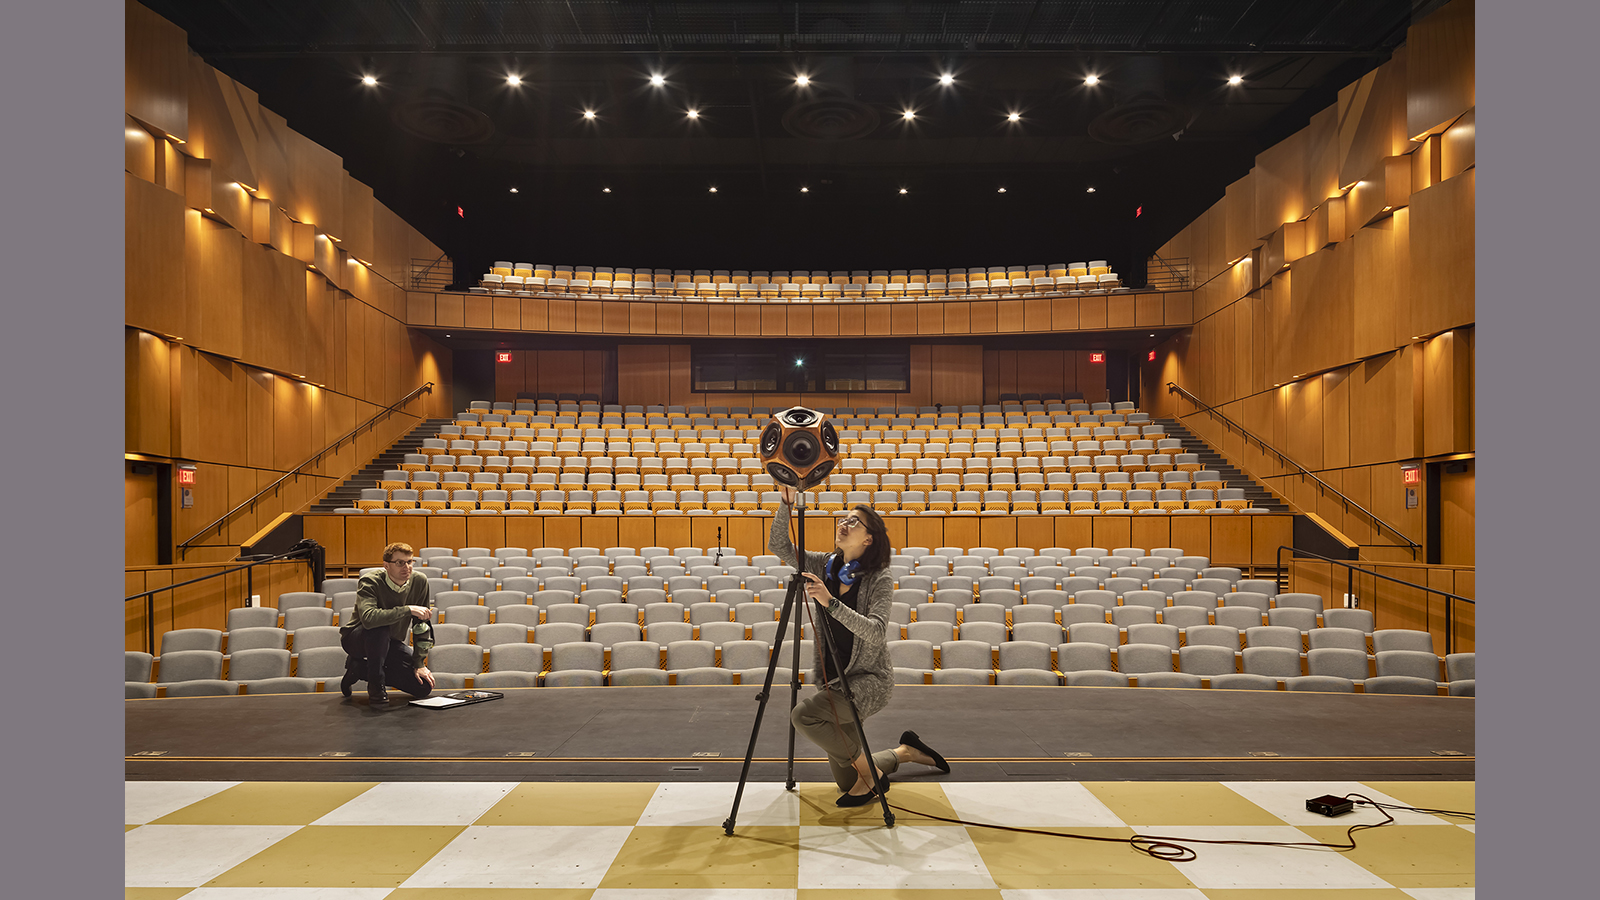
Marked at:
<point>790,606</point>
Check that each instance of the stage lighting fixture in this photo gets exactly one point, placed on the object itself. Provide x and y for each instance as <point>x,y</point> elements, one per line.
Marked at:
<point>1091,80</point>
<point>1014,117</point>
<point>1089,191</point>
<point>947,79</point>
<point>908,115</point>
<point>605,190</point>
<point>1236,80</point>
<point>658,80</point>
<point>713,189</point>
<point>369,80</point>
<point>588,114</point>
<point>514,190</point>
<point>693,113</point>
<point>1001,191</point>
<point>514,80</point>
<point>904,191</point>
<point>805,190</point>
<point>802,80</point>
<point>799,447</point>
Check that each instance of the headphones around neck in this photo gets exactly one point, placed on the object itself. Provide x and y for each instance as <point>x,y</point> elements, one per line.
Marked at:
<point>846,574</point>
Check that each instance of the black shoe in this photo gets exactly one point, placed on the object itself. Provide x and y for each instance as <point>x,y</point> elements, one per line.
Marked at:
<point>378,697</point>
<point>347,682</point>
<point>910,739</point>
<point>850,800</point>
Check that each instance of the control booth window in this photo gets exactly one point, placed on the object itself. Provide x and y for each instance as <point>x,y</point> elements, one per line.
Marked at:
<point>803,368</point>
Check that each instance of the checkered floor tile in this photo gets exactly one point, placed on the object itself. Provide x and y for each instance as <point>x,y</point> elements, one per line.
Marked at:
<point>647,841</point>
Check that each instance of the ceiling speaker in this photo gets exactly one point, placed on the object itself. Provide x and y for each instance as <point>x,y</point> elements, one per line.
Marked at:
<point>799,447</point>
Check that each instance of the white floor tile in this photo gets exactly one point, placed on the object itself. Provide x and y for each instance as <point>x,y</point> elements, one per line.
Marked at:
<point>694,803</point>
<point>1104,894</point>
<point>1036,804</point>
<point>146,801</point>
<point>1225,866</point>
<point>1287,801</point>
<point>419,803</point>
<point>693,894</point>
<point>191,855</point>
<point>1449,893</point>
<point>524,856</point>
<point>924,857</point>
<point>288,894</point>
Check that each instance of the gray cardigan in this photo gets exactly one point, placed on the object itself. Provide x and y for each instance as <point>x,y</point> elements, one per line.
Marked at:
<point>869,671</point>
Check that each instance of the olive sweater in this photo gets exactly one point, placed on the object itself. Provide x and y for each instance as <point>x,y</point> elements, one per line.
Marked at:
<point>380,606</point>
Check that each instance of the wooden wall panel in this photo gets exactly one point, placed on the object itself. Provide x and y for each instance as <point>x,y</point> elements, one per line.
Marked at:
<point>1440,80</point>
<point>1457,147</point>
<point>154,257</point>
<point>147,393</point>
<point>1442,237</point>
<point>1447,391</point>
<point>1239,218</point>
<point>155,82</point>
<point>955,374</point>
<point>1372,119</point>
<point>643,372</point>
<point>1280,174</point>
<point>1381,298</point>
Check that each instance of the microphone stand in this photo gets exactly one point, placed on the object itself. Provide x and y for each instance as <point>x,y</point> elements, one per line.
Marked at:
<point>791,597</point>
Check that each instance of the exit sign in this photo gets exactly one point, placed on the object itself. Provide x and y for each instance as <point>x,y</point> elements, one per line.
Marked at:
<point>1097,357</point>
<point>502,357</point>
<point>1410,473</point>
<point>186,475</point>
<point>1152,356</point>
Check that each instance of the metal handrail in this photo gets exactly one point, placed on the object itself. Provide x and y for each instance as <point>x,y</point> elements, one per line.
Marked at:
<point>1350,576</point>
<point>417,278</point>
<point>426,388</point>
<point>149,596</point>
<point>1182,277</point>
<point>1411,546</point>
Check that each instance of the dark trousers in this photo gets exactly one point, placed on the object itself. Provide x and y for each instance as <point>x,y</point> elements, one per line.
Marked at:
<point>380,660</point>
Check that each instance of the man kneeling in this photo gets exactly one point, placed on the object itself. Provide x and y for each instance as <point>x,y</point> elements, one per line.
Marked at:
<point>388,605</point>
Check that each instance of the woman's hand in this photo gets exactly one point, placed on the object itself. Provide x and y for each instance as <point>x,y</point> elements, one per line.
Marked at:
<point>816,590</point>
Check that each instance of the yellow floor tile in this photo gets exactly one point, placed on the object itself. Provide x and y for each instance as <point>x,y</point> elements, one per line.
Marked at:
<point>818,807</point>
<point>342,856</point>
<point>1409,856</point>
<point>492,894</point>
<point>567,803</point>
<point>702,857</point>
<point>154,893</point>
<point>1147,803</point>
<point>268,803</point>
<point>898,894</point>
<point>1461,796</point>
<point>1298,894</point>
<point>1033,861</point>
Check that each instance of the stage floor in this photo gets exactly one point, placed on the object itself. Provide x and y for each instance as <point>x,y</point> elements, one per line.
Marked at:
<point>694,733</point>
<point>664,841</point>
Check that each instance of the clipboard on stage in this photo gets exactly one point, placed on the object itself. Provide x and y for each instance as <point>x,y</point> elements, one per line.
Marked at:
<point>457,698</point>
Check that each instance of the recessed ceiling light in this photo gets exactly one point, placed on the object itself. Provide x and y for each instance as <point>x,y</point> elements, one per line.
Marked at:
<point>904,191</point>
<point>514,190</point>
<point>369,80</point>
<point>1014,117</point>
<point>658,80</point>
<point>1089,191</point>
<point>1001,191</point>
<point>908,115</point>
<point>1091,80</point>
<point>605,190</point>
<point>805,190</point>
<point>1236,80</point>
<point>802,80</point>
<point>713,189</point>
<point>514,80</point>
<point>693,113</point>
<point>947,79</point>
<point>588,114</point>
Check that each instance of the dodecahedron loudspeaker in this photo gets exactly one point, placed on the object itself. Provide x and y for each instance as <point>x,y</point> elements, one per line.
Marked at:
<point>799,447</point>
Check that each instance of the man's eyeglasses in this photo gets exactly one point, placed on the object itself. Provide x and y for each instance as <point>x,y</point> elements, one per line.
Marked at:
<point>851,522</point>
<point>400,562</point>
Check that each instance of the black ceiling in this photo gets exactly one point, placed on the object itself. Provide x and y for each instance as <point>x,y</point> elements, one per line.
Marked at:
<point>442,129</point>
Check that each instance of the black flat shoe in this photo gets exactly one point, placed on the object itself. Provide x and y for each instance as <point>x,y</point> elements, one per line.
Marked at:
<point>849,800</point>
<point>347,682</point>
<point>910,739</point>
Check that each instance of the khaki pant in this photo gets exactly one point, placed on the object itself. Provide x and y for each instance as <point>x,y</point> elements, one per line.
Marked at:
<point>815,719</point>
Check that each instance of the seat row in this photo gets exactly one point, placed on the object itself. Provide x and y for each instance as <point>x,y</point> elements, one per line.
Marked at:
<point>511,277</point>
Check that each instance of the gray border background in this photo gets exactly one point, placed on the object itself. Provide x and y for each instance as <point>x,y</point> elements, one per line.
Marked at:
<point>62,64</point>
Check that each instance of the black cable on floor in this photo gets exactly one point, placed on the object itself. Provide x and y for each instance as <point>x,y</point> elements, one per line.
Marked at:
<point>1174,849</point>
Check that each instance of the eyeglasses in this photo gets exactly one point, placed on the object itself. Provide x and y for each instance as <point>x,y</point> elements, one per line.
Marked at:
<point>400,562</point>
<point>851,522</point>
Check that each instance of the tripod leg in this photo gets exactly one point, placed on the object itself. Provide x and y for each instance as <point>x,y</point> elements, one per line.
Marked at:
<point>861,729</point>
<point>761,708</point>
